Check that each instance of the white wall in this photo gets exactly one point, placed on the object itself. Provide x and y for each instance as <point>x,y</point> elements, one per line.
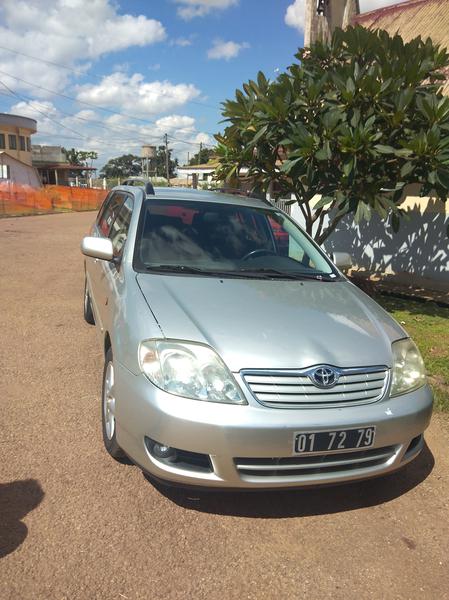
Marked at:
<point>19,172</point>
<point>420,249</point>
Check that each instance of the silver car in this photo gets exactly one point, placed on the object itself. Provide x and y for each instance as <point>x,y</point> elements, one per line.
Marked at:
<point>236,354</point>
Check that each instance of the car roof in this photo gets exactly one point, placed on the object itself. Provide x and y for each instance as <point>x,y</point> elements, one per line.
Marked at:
<point>172,193</point>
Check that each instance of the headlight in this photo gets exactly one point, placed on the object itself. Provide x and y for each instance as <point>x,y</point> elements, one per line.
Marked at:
<point>188,369</point>
<point>408,368</point>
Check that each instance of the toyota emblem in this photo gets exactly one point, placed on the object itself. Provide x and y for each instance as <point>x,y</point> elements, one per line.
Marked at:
<point>324,377</point>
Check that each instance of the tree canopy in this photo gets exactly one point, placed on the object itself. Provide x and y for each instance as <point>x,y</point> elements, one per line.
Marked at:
<point>129,165</point>
<point>354,121</point>
<point>203,156</point>
<point>80,157</point>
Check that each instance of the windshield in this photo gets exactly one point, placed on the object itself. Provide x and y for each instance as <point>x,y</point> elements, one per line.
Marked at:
<point>233,240</point>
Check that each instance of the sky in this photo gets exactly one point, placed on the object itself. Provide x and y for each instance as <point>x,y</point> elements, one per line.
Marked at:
<point>109,76</point>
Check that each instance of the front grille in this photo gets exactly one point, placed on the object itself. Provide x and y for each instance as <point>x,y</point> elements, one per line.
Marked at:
<point>315,464</point>
<point>293,389</point>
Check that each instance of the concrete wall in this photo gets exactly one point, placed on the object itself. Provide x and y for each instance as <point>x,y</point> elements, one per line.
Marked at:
<point>417,253</point>
<point>20,173</point>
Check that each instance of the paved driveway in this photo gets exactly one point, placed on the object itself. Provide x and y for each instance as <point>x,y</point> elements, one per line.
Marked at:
<point>76,525</point>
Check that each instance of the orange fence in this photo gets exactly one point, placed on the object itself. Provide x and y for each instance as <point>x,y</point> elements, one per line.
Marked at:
<point>25,200</point>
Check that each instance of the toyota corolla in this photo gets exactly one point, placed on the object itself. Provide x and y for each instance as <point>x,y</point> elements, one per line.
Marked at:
<point>237,354</point>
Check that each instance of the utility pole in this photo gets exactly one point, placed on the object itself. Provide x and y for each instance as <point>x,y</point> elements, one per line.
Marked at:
<point>167,164</point>
<point>199,153</point>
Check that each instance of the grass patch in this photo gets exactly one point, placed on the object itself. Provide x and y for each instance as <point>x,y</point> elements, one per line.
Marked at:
<point>428,325</point>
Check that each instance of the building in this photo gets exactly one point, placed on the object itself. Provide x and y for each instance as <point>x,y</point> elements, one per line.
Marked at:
<point>198,175</point>
<point>54,168</point>
<point>427,18</point>
<point>418,254</point>
<point>15,150</point>
<point>323,16</point>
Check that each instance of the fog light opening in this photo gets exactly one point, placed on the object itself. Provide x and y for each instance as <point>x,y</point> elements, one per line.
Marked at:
<point>161,451</point>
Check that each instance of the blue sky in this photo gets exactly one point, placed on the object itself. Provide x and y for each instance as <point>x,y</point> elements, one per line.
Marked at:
<point>109,76</point>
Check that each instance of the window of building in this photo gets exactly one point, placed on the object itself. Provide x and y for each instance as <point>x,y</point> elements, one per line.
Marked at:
<point>4,172</point>
<point>28,145</point>
<point>2,141</point>
<point>12,141</point>
<point>22,143</point>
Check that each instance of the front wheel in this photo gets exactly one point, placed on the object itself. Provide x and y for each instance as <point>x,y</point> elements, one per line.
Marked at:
<point>108,409</point>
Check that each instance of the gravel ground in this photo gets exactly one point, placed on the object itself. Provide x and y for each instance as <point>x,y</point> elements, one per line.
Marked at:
<point>76,525</point>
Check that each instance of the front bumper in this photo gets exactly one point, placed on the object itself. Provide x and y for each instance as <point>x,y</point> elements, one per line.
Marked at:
<point>248,445</point>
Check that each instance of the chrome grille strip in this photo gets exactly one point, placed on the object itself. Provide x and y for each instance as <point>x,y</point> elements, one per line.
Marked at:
<point>289,389</point>
<point>313,464</point>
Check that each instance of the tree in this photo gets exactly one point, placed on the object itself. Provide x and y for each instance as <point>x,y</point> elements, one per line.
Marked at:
<point>203,156</point>
<point>353,121</point>
<point>160,163</point>
<point>127,165</point>
<point>80,157</point>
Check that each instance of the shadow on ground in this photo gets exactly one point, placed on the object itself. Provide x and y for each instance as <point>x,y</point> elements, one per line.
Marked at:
<point>17,499</point>
<point>305,502</point>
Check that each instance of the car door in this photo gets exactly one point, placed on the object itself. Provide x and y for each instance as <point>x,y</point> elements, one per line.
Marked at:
<point>110,282</point>
<point>94,266</point>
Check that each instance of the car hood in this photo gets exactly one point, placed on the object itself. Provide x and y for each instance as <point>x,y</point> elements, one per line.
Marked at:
<point>269,324</point>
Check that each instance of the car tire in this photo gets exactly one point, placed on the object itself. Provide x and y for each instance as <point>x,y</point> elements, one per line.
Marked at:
<point>108,410</point>
<point>88,312</point>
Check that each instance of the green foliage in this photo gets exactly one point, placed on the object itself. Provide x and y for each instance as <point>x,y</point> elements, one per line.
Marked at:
<point>203,156</point>
<point>354,121</point>
<point>157,165</point>
<point>127,165</point>
<point>79,157</point>
<point>130,165</point>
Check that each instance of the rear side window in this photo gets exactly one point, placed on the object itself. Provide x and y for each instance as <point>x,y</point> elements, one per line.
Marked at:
<point>119,229</point>
<point>110,212</point>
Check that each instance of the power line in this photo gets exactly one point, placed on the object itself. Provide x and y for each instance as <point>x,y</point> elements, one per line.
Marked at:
<point>83,73</point>
<point>95,123</point>
<point>39,111</point>
<point>90,105</point>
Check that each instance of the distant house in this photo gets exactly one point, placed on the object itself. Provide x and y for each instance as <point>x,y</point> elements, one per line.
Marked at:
<point>197,175</point>
<point>15,150</point>
<point>54,168</point>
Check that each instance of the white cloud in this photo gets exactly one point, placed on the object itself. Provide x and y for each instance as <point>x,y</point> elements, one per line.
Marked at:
<point>294,17</point>
<point>226,50</point>
<point>190,9</point>
<point>113,135</point>
<point>181,41</point>
<point>70,32</point>
<point>134,95</point>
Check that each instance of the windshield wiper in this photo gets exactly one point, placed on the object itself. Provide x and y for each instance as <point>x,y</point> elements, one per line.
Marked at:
<point>191,271</point>
<point>284,275</point>
<point>174,269</point>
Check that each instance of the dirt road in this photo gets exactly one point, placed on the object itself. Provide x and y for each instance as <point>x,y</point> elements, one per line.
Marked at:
<point>76,525</point>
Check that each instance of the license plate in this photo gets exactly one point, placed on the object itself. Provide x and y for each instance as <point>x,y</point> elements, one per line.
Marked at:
<point>333,441</point>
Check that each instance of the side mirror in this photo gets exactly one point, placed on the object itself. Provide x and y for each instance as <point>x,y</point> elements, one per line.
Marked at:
<point>342,260</point>
<point>97,247</point>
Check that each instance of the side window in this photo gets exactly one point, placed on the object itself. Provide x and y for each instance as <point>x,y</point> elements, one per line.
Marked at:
<point>120,227</point>
<point>110,212</point>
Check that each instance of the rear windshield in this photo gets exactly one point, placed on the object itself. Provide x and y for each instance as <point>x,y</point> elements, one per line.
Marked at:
<point>207,237</point>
